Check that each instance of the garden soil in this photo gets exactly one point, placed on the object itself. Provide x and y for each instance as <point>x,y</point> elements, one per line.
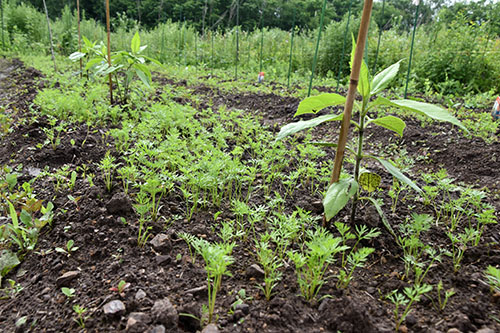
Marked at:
<point>167,289</point>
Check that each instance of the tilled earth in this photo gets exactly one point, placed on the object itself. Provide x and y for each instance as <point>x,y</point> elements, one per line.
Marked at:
<point>165,285</point>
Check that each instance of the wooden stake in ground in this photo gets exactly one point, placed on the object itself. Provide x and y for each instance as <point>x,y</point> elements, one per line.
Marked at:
<point>109,51</point>
<point>79,35</point>
<point>353,84</point>
<point>50,35</point>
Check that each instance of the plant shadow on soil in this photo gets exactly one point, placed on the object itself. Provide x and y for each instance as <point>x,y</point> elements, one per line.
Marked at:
<point>108,250</point>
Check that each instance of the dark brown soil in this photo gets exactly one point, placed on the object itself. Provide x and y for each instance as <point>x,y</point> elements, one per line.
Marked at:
<point>108,249</point>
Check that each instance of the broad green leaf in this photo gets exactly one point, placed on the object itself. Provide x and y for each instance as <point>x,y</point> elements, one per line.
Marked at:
<point>398,174</point>
<point>13,215</point>
<point>135,44</point>
<point>25,217</point>
<point>293,128</point>
<point>364,74</point>
<point>369,181</point>
<point>314,104</point>
<point>429,110</point>
<point>143,77</point>
<point>391,123</point>
<point>92,62</point>
<point>144,69</point>
<point>381,214</point>
<point>382,79</point>
<point>76,56</point>
<point>8,261</point>
<point>338,195</point>
<point>87,42</point>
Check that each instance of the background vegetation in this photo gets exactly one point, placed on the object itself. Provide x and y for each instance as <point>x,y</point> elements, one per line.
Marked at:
<point>457,46</point>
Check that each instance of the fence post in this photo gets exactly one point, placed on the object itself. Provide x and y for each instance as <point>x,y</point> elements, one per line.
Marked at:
<point>108,29</point>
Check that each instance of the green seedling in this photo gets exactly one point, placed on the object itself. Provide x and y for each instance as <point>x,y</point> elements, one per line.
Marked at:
<point>69,292</point>
<point>120,288</point>
<point>408,298</point>
<point>70,248</point>
<point>459,244</point>
<point>142,208</point>
<point>270,264</point>
<point>339,193</point>
<point>80,318</point>
<point>124,65</point>
<point>493,275</point>
<point>11,289</point>
<point>311,265</point>
<point>107,166</point>
<point>217,259</point>
<point>442,299</point>
<point>72,180</point>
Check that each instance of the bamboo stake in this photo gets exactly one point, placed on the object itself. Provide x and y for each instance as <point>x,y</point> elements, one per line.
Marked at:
<point>411,49</point>
<point>353,84</point>
<point>109,51</point>
<point>79,35</point>
<point>315,59</point>
<point>50,35</point>
<point>1,14</point>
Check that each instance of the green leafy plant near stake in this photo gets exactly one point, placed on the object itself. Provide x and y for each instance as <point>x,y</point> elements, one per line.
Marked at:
<point>339,193</point>
<point>124,65</point>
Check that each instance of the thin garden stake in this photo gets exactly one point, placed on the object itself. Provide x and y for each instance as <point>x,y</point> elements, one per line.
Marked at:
<point>291,50</point>
<point>237,40</point>
<point>108,29</point>
<point>261,35</point>
<point>379,37</point>
<point>315,59</point>
<point>343,45</point>
<point>1,14</point>
<point>79,35</point>
<point>353,83</point>
<point>50,35</point>
<point>411,48</point>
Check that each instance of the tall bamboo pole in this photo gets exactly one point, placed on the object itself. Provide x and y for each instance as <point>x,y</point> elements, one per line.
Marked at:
<point>50,35</point>
<point>79,35</point>
<point>353,84</point>
<point>109,51</point>
<point>261,35</point>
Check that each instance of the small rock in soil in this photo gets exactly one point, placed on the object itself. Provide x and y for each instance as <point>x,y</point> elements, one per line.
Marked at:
<point>211,328</point>
<point>66,278</point>
<point>137,322</point>
<point>403,329</point>
<point>454,330</point>
<point>158,329</point>
<point>254,271</point>
<point>114,308</point>
<point>161,242</point>
<point>462,322</point>
<point>119,204</point>
<point>411,320</point>
<point>140,295</point>
<point>164,313</point>
<point>245,308</point>
<point>237,315</point>
<point>162,260</point>
<point>485,330</point>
